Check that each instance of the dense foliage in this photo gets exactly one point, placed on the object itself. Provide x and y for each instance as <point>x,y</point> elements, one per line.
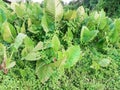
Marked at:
<point>42,44</point>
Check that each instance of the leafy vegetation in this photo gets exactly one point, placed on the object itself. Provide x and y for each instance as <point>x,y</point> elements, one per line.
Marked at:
<point>50,47</point>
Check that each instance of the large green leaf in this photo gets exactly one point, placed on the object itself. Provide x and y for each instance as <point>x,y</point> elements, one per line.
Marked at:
<point>81,13</point>
<point>87,35</point>
<point>19,40</point>
<point>33,56</point>
<point>73,55</point>
<point>8,32</point>
<point>43,71</point>
<point>54,8</point>
<point>20,10</point>
<point>45,24</point>
<point>102,20</point>
<point>55,43</point>
<point>38,47</point>
<point>2,16</point>
<point>114,32</point>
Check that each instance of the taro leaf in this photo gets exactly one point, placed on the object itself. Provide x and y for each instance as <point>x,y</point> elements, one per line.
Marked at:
<point>73,55</point>
<point>81,13</point>
<point>33,56</point>
<point>44,24</point>
<point>69,15</point>
<point>8,32</point>
<point>55,43</point>
<point>60,63</point>
<point>2,16</point>
<point>39,46</point>
<point>104,62</point>
<point>68,36</point>
<point>29,45</point>
<point>19,40</point>
<point>54,8</point>
<point>87,35</point>
<point>114,32</point>
<point>43,71</point>
<point>25,51</point>
<point>20,10</point>
<point>102,20</point>
<point>28,42</point>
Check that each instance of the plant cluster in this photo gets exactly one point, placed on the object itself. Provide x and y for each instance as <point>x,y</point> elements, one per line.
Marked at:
<point>54,38</point>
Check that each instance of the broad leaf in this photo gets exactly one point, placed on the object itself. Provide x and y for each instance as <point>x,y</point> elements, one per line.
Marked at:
<point>39,46</point>
<point>73,55</point>
<point>20,10</point>
<point>33,56</point>
<point>2,16</point>
<point>81,13</point>
<point>43,71</point>
<point>54,8</point>
<point>87,35</point>
<point>19,40</point>
<point>55,43</point>
<point>69,15</point>
<point>8,32</point>
<point>102,20</point>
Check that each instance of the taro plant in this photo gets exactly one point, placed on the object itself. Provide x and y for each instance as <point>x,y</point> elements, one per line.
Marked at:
<point>51,37</point>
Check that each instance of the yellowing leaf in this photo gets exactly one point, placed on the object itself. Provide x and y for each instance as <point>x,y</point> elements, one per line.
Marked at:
<point>81,13</point>
<point>7,31</point>
<point>69,15</point>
